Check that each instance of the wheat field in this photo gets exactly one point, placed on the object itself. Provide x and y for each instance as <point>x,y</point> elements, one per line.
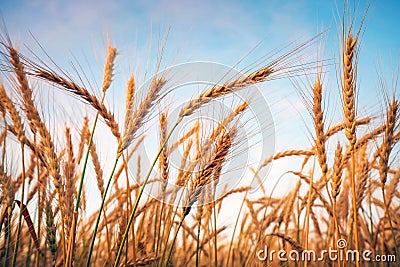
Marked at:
<point>166,212</point>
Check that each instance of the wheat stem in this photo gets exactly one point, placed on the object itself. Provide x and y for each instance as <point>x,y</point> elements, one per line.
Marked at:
<point>79,194</point>
<point>100,211</point>
<point>174,239</point>
<point>135,206</point>
<point>307,223</point>
<point>20,207</point>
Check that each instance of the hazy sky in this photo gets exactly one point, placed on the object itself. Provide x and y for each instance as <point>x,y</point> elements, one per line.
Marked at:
<point>206,30</point>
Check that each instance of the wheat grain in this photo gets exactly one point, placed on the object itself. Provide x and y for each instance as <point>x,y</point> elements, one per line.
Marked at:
<point>319,127</point>
<point>349,87</point>
<point>109,68</point>
<point>362,182</point>
<point>14,114</point>
<point>388,141</point>
<point>97,169</point>
<point>337,171</point>
<point>163,160</point>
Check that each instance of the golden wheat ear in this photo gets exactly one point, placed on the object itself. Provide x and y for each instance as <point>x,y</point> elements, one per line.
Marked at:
<point>163,160</point>
<point>211,165</point>
<point>41,70</point>
<point>337,171</point>
<point>386,147</point>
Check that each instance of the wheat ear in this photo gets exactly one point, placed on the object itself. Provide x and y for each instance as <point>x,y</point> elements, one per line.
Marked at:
<point>349,109</point>
<point>83,93</point>
<point>385,150</point>
<point>229,87</point>
<point>109,68</point>
<point>388,139</point>
<point>135,121</point>
<point>204,177</point>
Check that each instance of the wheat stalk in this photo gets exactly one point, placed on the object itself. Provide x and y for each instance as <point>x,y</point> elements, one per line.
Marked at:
<point>349,108</point>
<point>69,180</point>
<point>84,94</point>
<point>362,182</point>
<point>130,97</point>
<point>207,146</point>
<point>337,128</point>
<point>349,88</point>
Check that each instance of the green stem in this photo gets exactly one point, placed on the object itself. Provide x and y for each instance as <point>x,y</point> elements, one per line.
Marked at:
<point>100,211</point>
<point>80,189</point>
<point>131,217</point>
<point>20,207</point>
<point>198,242</point>
<point>166,237</point>
<point>168,224</point>
<point>79,195</point>
<point>173,241</point>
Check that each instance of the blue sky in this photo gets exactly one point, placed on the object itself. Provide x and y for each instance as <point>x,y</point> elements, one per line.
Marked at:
<point>207,30</point>
<point>218,31</point>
